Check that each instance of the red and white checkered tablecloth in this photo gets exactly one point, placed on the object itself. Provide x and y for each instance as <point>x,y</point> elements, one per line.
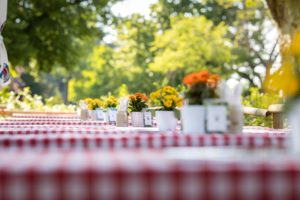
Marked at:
<point>69,134</point>
<point>51,122</point>
<point>17,116</point>
<point>127,140</point>
<point>12,123</point>
<point>144,175</point>
<point>97,127</point>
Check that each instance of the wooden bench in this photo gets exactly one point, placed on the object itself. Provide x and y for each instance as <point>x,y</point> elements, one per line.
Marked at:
<point>274,111</point>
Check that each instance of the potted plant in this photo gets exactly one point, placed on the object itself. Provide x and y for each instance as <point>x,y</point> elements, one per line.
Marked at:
<point>137,103</point>
<point>92,105</point>
<point>201,86</point>
<point>110,104</point>
<point>167,98</point>
<point>100,104</point>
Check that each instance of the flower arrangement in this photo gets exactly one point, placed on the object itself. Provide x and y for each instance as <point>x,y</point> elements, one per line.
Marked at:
<point>93,104</point>
<point>167,97</point>
<point>202,85</point>
<point>137,102</point>
<point>111,102</point>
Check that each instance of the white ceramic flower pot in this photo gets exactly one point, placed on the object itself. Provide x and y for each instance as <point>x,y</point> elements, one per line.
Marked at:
<point>99,114</point>
<point>112,115</point>
<point>294,119</point>
<point>105,114</point>
<point>166,120</point>
<point>137,119</point>
<point>93,115</point>
<point>193,119</point>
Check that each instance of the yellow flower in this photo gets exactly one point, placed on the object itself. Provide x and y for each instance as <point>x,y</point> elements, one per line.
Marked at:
<point>169,90</point>
<point>87,100</point>
<point>169,97</point>
<point>90,106</point>
<point>179,102</point>
<point>166,97</point>
<point>295,45</point>
<point>99,103</point>
<point>111,101</point>
<point>284,80</point>
<point>155,95</point>
<point>168,103</point>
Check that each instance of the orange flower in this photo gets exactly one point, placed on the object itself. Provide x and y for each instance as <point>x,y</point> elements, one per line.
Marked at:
<point>132,98</point>
<point>141,96</point>
<point>202,76</point>
<point>212,83</point>
<point>214,77</point>
<point>213,80</point>
<point>190,79</point>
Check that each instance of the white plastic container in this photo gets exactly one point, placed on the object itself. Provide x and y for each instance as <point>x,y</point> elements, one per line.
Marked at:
<point>166,120</point>
<point>193,119</point>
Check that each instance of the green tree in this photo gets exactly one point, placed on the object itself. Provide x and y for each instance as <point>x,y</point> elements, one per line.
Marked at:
<point>122,67</point>
<point>96,77</point>
<point>193,43</point>
<point>47,33</point>
<point>135,36</point>
<point>51,39</point>
<point>218,11</point>
<point>252,53</point>
<point>247,32</point>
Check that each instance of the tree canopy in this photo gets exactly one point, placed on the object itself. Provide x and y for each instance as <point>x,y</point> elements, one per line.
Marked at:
<point>56,32</point>
<point>193,43</point>
<point>60,44</point>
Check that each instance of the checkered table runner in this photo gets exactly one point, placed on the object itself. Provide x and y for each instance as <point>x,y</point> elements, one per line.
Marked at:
<point>93,139</point>
<point>50,122</point>
<point>17,116</point>
<point>12,128</point>
<point>142,175</point>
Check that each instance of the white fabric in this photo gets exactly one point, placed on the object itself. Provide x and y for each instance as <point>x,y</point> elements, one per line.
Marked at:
<point>3,11</point>
<point>4,71</point>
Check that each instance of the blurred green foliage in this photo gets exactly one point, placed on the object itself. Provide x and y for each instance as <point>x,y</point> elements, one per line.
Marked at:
<point>26,101</point>
<point>193,43</point>
<point>59,44</point>
<point>42,34</point>
<point>261,100</point>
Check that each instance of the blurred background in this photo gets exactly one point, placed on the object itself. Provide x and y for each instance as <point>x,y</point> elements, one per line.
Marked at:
<point>62,51</point>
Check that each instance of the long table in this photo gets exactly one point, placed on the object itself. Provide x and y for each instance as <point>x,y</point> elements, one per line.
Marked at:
<point>99,135</point>
<point>139,140</point>
<point>61,157</point>
<point>150,174</point>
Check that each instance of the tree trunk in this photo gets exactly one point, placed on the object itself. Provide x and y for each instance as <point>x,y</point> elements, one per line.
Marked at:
<point>287,15</point>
